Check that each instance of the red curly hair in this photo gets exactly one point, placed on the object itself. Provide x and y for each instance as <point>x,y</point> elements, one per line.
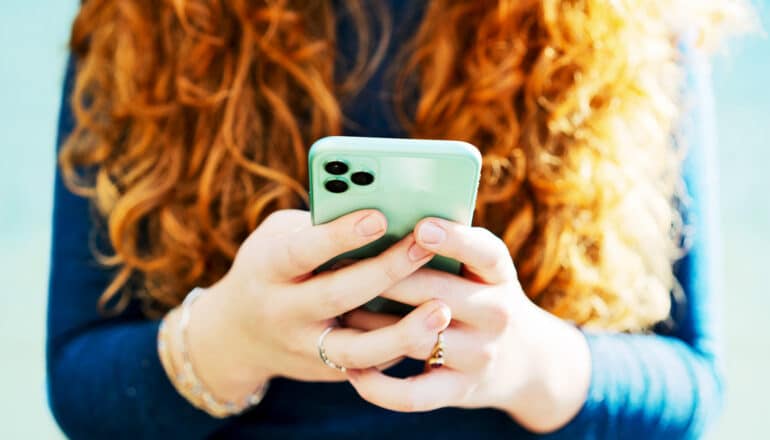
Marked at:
<point>193,119</point>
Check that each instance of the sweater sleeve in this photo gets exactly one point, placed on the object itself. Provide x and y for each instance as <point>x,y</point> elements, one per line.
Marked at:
<point>670,384</point>
<point>105,379</point>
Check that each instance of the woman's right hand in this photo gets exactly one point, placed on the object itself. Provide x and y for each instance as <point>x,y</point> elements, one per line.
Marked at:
<point>264,317</point>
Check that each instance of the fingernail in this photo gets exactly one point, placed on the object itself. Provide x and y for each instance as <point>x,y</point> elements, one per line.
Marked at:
<point>370,225</point>
<point>431,234</point>
<point>417,252</point>
<point>439,318</point>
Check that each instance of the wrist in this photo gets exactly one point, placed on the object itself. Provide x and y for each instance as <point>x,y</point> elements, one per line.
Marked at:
<point>558,382</point>
<point>220,351</point>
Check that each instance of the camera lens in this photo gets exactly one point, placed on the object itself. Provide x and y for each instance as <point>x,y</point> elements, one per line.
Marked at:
<point>336,186</point>
<point>336,168</point>
<point>362,178</point>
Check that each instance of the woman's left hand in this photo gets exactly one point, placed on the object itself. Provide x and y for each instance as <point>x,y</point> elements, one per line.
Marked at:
<point>501,350</point>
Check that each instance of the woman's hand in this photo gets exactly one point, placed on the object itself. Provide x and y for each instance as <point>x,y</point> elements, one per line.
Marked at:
<point>263,318</point>
<point>501,350</point>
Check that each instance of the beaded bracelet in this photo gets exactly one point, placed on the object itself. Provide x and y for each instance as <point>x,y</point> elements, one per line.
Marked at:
<point>187,382</point>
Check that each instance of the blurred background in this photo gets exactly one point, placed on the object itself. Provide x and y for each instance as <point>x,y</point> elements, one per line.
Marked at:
<point>33,36</point>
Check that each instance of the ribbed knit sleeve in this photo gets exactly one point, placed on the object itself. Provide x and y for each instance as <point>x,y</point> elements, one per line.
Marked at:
<point>105,379</point>
<point>670,385</point>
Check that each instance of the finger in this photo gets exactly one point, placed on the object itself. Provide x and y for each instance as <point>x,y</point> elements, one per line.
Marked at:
<point>353,348</point>
<point>426,392</point>
<point>464,348</point>
<point>291,255</point>
<point>471,302</point>
<point>482,253</point>
<point>334,293</point>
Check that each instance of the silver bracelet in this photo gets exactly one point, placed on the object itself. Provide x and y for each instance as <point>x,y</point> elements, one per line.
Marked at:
<point>189,379</point>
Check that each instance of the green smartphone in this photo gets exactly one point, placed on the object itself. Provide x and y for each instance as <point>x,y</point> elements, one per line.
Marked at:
<point>406,179</point>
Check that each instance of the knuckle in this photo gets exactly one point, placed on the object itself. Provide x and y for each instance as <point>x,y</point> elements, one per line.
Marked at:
<point>415,346</point>
<point>274,217</point>
<point>250,253</point>
<point>280,217</point>
<point>337,236</point>
<point>425,345</point>
<point>345,357</point>
<point>505,253</point>
<point>495,240</point>
<point>500,253</point>
<point>490,261</point>
<point>332,295</point>
<point>407,343</point>
<point>500,316</point>
<point>334,300</point>
<point>392,273</point>
<point>294,255</point>
<point>487,355</point>
<point>416,339</point>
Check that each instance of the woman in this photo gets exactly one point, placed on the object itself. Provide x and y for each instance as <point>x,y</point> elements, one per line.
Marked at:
<point>184,129</point>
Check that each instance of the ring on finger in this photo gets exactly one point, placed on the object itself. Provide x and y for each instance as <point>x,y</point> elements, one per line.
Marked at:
<point>436,358</point>
<point>322,350</point>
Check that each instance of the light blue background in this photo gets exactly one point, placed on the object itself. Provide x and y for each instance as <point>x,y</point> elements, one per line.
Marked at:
<point>33,36</point>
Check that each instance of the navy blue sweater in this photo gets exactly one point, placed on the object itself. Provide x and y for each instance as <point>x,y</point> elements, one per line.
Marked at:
<point>106,381</point>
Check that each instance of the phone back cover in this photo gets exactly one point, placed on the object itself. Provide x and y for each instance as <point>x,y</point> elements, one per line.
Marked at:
<point>414,179</point>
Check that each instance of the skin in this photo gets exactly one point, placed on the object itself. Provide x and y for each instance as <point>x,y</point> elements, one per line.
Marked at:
<point>263,319</point>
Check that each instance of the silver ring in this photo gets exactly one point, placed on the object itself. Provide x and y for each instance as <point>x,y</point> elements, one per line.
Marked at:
<point>322,350</point>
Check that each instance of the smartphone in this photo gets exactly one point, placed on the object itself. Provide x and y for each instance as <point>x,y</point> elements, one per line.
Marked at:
<point>405,179</point>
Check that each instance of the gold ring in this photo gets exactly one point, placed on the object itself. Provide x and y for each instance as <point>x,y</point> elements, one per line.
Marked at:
<point>436,358</point>
<point>322,350</point>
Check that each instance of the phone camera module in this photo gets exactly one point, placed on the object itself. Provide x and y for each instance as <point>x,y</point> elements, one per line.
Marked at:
<point>337,168</point>
<point>336,186</point>
<point>362,178</point>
